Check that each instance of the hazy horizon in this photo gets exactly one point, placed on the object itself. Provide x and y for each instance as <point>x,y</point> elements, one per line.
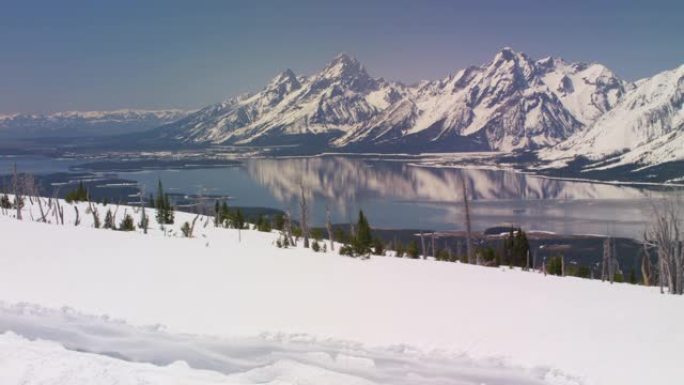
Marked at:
<point>77,55</point>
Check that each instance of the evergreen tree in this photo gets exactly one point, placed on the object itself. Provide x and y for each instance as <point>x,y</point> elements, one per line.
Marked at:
<point>162,203</point>
<point>78,195</point>
<point>239,220</point>
<point>5,202</point>
<point>363,239</point>
<point>399,250</point>
<point>412,249</point>
<point>144,220</point>
<point>127,223</point>
<point>109,221</point>
<point>490,256</point>
<point>583,272</point>
<point>632,277</point>
<point>279,222</point>
<point>217,214</point>
<point>378,247</point>
<point>264,224</point>
<point>341,235</point>
<point>555,265</point>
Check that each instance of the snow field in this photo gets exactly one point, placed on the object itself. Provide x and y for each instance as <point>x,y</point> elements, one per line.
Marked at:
<point>238,284</point>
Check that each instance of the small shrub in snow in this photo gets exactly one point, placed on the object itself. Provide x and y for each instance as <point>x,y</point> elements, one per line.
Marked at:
<point>186,230</point>
<point>315,246</point>
<point>109,221</point>
<point>5,202</point>
<point>127,223</point>
<point>555,265</point>
<point>412,249</point>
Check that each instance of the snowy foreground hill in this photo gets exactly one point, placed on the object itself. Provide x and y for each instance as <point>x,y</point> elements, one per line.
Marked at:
<point>80,305</point>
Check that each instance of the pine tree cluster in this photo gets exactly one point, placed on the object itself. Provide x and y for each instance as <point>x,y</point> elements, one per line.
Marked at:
<point>78,195</point>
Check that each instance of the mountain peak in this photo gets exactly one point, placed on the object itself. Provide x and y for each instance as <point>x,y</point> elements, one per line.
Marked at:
<point>343,65</point>
<point>284,81</point>
<point>505,53</point>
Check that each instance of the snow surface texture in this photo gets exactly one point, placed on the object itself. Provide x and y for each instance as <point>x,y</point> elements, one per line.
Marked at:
<point>510,103</point>
<point>273,359</point>
<point>406,316</point>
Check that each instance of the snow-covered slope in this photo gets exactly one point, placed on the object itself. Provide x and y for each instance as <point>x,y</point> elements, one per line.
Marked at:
<point>645,128</point>
<point>76,123</point>
<point>225,284</point>
<point>511,103</point>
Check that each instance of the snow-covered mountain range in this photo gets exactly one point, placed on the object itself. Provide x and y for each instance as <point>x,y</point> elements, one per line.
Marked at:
<point>77,123</point>
<point>646,128</point>
<point>510,103</point>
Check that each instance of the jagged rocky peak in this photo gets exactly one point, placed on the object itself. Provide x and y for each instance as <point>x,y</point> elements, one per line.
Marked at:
<point>509,59</point>
<point>349,72</point>
<point>343,65</point>
<point>286,79</point>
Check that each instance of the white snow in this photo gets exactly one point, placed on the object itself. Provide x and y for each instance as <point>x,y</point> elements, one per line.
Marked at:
<point>646,127</point>
<point>232,284</point>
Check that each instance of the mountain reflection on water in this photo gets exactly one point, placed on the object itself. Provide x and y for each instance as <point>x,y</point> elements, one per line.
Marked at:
<point>399,194</point>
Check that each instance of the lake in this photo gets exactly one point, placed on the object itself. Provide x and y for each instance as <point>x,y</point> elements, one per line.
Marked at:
<point>402,193</point>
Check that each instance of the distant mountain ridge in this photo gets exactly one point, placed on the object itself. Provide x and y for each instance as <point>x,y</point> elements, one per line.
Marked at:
<point>85,123</point>
<point>511,103</point>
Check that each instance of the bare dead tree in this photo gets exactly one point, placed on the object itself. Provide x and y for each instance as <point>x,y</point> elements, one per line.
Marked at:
<point>304,215</point>
<point>646,264</point>
<point>59,213</point>
<point>96,215</point>
<point>144,220</point>
<point>328,225</point>
<point>665,235</point>
<point>422,244</point>
<point>77,221</point>
<point>562,266</point>
<point>288,228</point>
<point>17,193</point>
<point>607,261</point>
<point>434,245</point>
<point>469,236</point>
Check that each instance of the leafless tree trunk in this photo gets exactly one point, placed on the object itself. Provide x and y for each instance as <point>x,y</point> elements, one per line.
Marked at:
<point>304,215</point>
<point>434,246</point>
<point>328,224</point>
<point>59,213</point>
<point>666,236</point>
<point>469,235</point>
<point>607,262</point>
<point>17,193</point>
<point>288,228</point>
<point>646,265</point>
<point>77,221</point>
<point>562,266</point>
<point>422,244</point>
<point>95,214</point>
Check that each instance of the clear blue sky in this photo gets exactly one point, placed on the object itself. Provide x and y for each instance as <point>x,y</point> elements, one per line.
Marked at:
<point>59,55</point>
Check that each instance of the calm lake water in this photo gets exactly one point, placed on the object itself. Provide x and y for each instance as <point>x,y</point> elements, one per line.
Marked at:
<point>401,194</point>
